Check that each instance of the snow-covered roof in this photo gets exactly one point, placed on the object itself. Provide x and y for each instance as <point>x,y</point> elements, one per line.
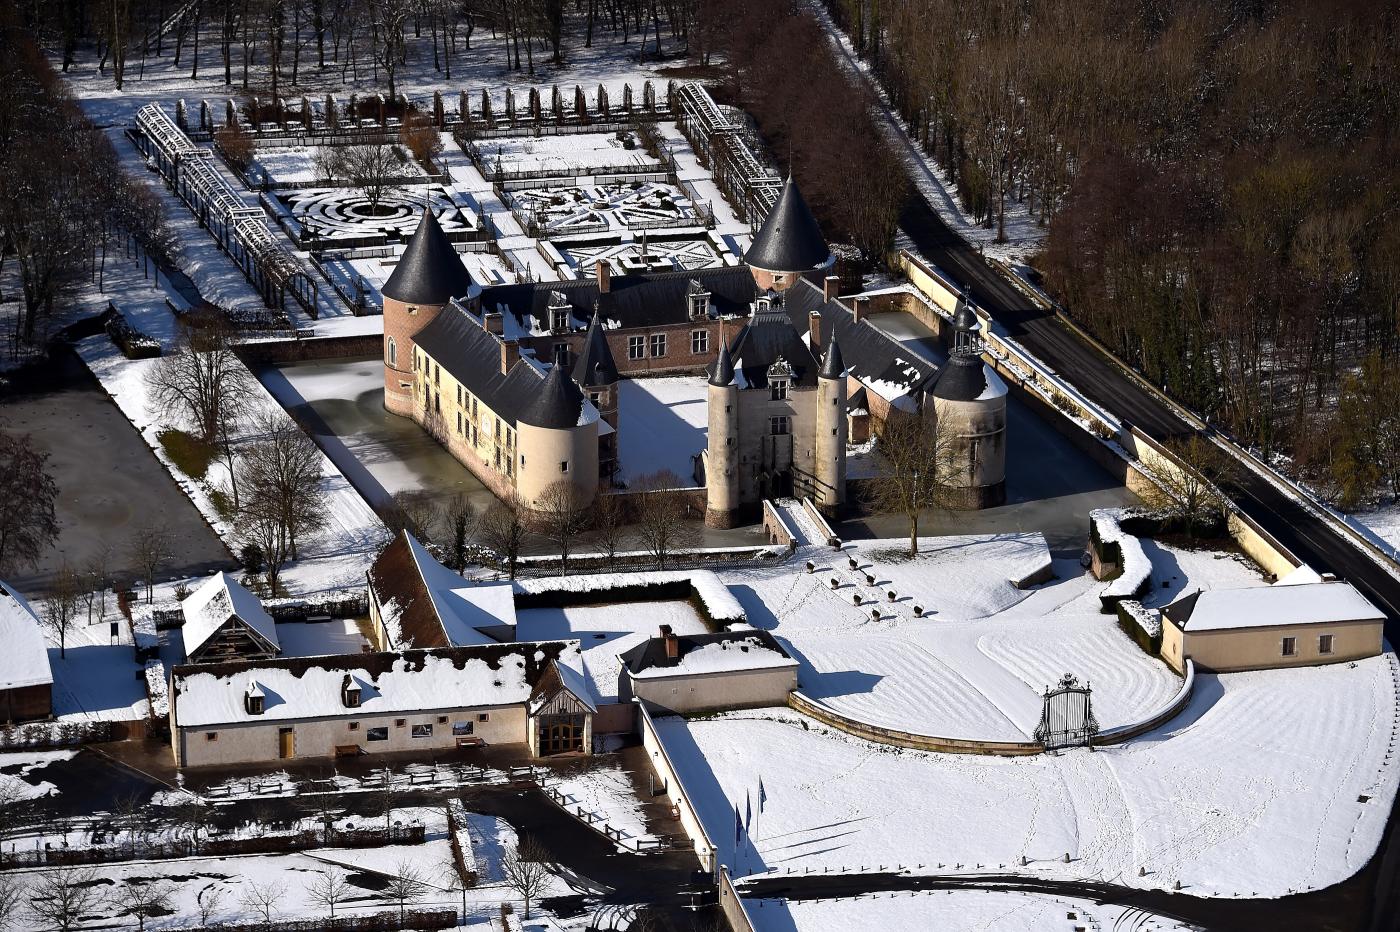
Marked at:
<point>424,604</point>
<point>715,598</point>
<point>1272,606</point>
<point>297,688</point>
<point>25,659</point>
<point>728,652</point>
<point>213,603</point>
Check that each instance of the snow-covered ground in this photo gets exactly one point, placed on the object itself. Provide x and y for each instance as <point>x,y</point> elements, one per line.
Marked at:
<point>604,631</point>
<point>982,910</point>
<point>566,156</point>
<point>1383,522</point>
<point>604,796</point>
<point>21,774</point>
<point>1252,790</point>
<point>662,424</point>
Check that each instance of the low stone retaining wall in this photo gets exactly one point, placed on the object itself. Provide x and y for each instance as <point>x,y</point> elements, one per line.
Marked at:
<point>273,351</point>
<point>904,739</point>
<point>675,790</point>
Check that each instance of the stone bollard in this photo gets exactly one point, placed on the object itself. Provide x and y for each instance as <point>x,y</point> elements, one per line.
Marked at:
<point>852,562</point>
<point>918,611</point>
<point>835,583</point>
<point>1066,857</point>
<point>811,567</point>
<point>892,595</point>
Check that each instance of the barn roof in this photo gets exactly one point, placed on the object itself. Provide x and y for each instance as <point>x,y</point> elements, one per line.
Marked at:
<point>726,651</point>
<point>424,604</point>
<point>214,603</point>
<point>25,659</point>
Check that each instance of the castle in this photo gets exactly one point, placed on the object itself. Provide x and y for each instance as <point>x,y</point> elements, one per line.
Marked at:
<point>520,382</point>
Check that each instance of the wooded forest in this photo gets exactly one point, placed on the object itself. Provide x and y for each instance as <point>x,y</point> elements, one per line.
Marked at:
<point>1218,181</point>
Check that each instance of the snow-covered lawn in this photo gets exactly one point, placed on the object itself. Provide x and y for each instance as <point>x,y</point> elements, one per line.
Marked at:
<point>604,631</point>
<point>565,155</point>
<point>1383,523</point>
<point>662,424</point>
<point>99,678</point>
<point>1253,790</point>
<point>983,910</point>
<point>313,639</point>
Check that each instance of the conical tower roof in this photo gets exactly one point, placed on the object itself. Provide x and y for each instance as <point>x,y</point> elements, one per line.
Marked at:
<point>833,367</point>
<point>595,364</point>
<point>790,239</point>
<point>429,271</point>
<point>556,405</point>
<point>723,372</point>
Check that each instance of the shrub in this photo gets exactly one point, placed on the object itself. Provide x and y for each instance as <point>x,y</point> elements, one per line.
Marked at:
<point>222,504</point>
<point>190,454</point>
<point>251,556</point>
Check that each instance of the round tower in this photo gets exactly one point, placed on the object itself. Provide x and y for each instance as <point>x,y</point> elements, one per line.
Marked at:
<point>970,401</point>
<point>428,276</point>
<point>722,452</point>
<point>788,244</point>
<point>830,446</point>
<point>556,438</point>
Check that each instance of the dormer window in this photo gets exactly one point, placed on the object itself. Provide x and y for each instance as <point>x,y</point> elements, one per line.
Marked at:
<point>254,699</point>
<point>559,312</point>
<point>699,300</point>
<point>779,388</point>
<point>350,692</point>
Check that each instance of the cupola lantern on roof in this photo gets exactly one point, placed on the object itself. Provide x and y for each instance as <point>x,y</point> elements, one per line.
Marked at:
<point>967,328</point>
<point>789,243</point>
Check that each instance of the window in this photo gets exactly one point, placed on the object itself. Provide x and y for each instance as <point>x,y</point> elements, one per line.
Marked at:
<point>211,736</point>
<point>459,422</point>
<point>460,729</point>
<point>1290,647</point>
<point>424,730</point>
<point>779,388</point>
<point>779,278</point>
<point>393,353</point>
<point>377,734</point>
<point>437,374</point>
<point>561,354</point>
<point>658,344</point>
<point>1324,643</point>
<point>400,722</point>
<point>563,465</point>
<point>779,426</point>
<point>413,309</point>
<point>636,347</point>
<point>699,342</point>
<point>522,461</point>
<point>353,726</point>
<point>442,719</point>
<point>559,317</point>
<point>484,717</point>
<point>595,399</point>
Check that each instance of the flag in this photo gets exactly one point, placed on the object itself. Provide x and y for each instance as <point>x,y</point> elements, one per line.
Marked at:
<point>762,796</point>
<point>738,827</point>
<point>748,811</point>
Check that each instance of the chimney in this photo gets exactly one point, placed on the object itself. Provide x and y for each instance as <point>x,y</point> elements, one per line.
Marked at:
<point>673,644</point>
<point>814,324</point>
<point>510,354</point>
<point>862,308</point>
<point>604,272</point>
<point>830,286</point>
<point>494,323</point>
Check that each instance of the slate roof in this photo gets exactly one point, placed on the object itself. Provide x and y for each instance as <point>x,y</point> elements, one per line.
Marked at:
<point>875,359</point>
<point>556,404</point>
<point>429,271</point>
<point>768,336</point>
<point>644,299</point>
<point>832,366</point>
<point>595,364</point>
<point>457,342</point>
<point>790,239</point>
<point>962,379</point>
<point>722,372</point>
<point>651,653</point>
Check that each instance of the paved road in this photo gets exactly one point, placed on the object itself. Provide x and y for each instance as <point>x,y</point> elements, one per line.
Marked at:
<point>1311,538</point>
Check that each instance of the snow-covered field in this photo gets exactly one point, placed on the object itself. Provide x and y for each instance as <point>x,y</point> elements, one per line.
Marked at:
<point>1252,790</point>
<point>566,156</point>
<point>662,424</point>
<point>982,910</point>
<point>604,631</point>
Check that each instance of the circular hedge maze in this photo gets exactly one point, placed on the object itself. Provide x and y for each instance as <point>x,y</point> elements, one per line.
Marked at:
<point>346,213</point>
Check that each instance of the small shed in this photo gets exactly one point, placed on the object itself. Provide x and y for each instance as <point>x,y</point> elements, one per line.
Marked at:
<point>26,682</point>
<point>224,621</point>
<point>708,672</point>
<point>1283,625</point>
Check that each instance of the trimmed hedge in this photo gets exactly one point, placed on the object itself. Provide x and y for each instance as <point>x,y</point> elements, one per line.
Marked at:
<point>1128,621</point>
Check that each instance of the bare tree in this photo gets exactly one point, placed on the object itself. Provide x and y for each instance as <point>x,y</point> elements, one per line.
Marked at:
<point>608,516</point>
<point>203,380</point>
<point>193,815</point>
<point>149,548</point>
<point>415,511</point>
<point>922,466</point>
<point>660,514</point>
<point>328,890</point>
<point>262,899</point>
<point>281,474</point>
<point>452,880</point>
<point>62,896</point>
<point>143,901</point>
<point>526,870</point>
<point>1187,493</point>
<point>208,901</point>
<point>460,519</point>
<point>12,898</point>
<point>60,609</point>
<point>503,529</point>
<point>372,169</point>
<point>560,513</point>
<point>16,809</point>
<point>406,885</point>
<point>28,526</point>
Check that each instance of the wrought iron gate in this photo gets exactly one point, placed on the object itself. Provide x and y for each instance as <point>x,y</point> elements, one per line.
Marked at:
<point>1067,717</point>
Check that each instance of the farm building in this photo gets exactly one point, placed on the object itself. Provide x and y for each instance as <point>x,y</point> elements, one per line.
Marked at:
<point>224,621</point>
<point>26,682</point>
<point>708,672</point>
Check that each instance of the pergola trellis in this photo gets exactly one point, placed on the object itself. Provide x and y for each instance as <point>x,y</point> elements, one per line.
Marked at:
<point>240,230</point>
<point>743,178</point>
